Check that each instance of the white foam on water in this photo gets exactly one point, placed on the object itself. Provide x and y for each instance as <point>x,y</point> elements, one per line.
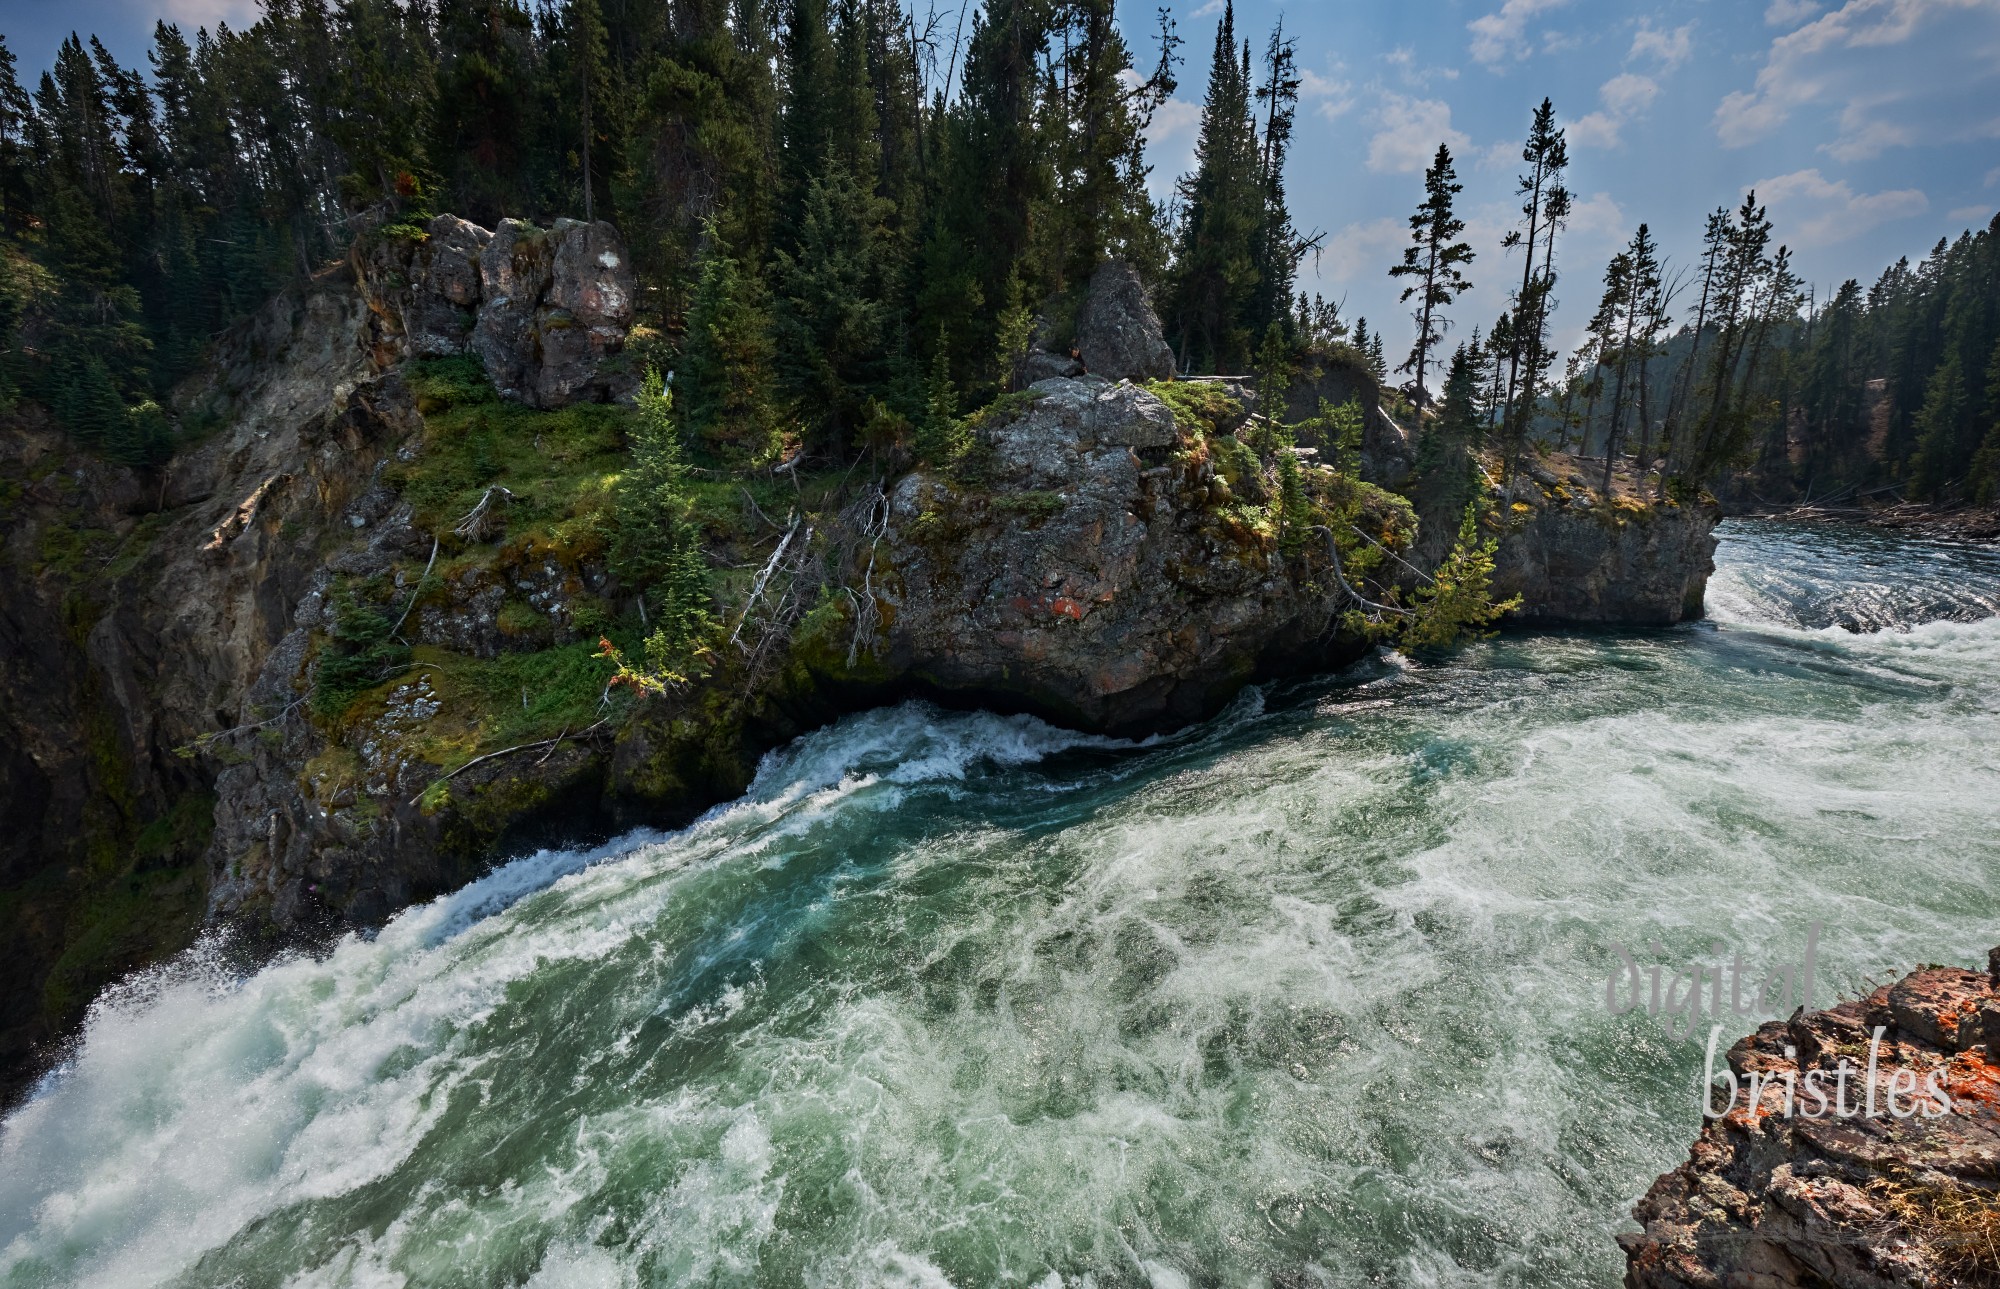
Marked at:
<point>197,1102</point>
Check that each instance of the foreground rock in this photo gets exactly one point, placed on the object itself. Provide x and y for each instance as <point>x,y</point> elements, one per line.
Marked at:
<point>1776,1201</point>
<point>1088,573</point>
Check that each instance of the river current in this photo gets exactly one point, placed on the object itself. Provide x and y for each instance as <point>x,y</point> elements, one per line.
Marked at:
<point>1310,995</point>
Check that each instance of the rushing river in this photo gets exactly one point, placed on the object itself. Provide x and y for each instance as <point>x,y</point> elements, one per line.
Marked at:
<point>1311,995</point>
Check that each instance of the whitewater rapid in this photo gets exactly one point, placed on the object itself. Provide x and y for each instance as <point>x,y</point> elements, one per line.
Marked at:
<point>1309,995</point>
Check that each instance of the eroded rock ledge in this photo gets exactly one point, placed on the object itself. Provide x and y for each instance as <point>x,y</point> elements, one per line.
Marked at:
<point>1774,1201</point>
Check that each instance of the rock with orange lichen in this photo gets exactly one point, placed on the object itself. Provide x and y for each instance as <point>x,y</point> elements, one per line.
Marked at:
<point>1772,1197</point>
<point>1080,566</point>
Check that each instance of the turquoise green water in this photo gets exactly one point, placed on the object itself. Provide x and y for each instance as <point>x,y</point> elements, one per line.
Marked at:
<point>1308,996</point>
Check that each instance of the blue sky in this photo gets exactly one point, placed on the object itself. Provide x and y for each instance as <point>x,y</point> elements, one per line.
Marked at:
<point>1871,127</point>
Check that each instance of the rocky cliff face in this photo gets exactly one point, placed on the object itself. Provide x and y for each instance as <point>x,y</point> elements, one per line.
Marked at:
<point>1892,1193</point>
<point>138,611</point>
<point>545,310</point>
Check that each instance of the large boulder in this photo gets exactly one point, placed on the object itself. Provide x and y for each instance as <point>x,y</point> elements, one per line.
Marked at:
<point>1093,568</point>
<point>445,288</point>
<point>557,305</point>
<point>1118,336</point>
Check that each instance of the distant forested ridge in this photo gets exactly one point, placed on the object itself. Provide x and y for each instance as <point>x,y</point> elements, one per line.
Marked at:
<point>834,204</point>
<point>1784,394</point>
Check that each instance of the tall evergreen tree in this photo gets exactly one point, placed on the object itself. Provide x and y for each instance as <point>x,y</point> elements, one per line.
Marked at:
<point>1435,260</point>
<point>1279,247</point>
<point>1223,203</point>
<point>1546,206</point>
<point>724,379</point>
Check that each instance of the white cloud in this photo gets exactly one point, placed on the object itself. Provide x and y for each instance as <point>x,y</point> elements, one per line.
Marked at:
<point>1862,139</point>
<point>1789,13</point>
<point>1333,97</point>
<point>1363,250</point>
<point>1628,94</point>
<point>1624,97</point>
<point>1861,54</point>
<point>1597,216</point>
<point>1594,130</point>
<point>1498,156</point>
<point>1829,210</point>
<point>1408,131</point>
<point>1992,177</point>
<point>1404,59</point>
<point>1671,48</point>
<point>1971,215</point>
<point>1213,6</point>
<point>1498,36</point>
<point>189,14</point>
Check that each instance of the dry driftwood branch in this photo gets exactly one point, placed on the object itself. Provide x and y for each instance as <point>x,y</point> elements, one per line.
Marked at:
<point>477,521</point>
<point>1333,553</point>
<point>549,743</point>
<point>763,579</point>
<point>397,630</point>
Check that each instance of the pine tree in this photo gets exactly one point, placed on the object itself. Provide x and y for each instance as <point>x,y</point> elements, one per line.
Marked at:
<point>1102,208</point>
<point>941,436</point>
<point>835,324</point>
<point>1546,154</point>
<point>481,119</point>
<point>1279,247</point>
<point>808,124</point>
<point>1274,376</point>
<point>1458,601</point>
<point>1985,473</point>
<point>724,374</point>
<point>656,548</point>
<point>995,186</point>
<point>587,46</point>
<point>1223,201</point>
<point>1445,469</point>
<point>1435,258</point>
<point>1633,284</point>
<point>1937,431</point>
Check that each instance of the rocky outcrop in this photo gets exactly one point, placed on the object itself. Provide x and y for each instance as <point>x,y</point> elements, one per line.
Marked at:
<point>1115,334</point>
<point>1887,1188</point>
<point>546,311</point>
<point>1118,336</point>
<point>1097,557</point>
<point>1087,572</point>
<point>1575,557</point>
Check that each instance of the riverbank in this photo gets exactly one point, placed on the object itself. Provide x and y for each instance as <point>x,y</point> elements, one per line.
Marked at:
<point>1963,523</point>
